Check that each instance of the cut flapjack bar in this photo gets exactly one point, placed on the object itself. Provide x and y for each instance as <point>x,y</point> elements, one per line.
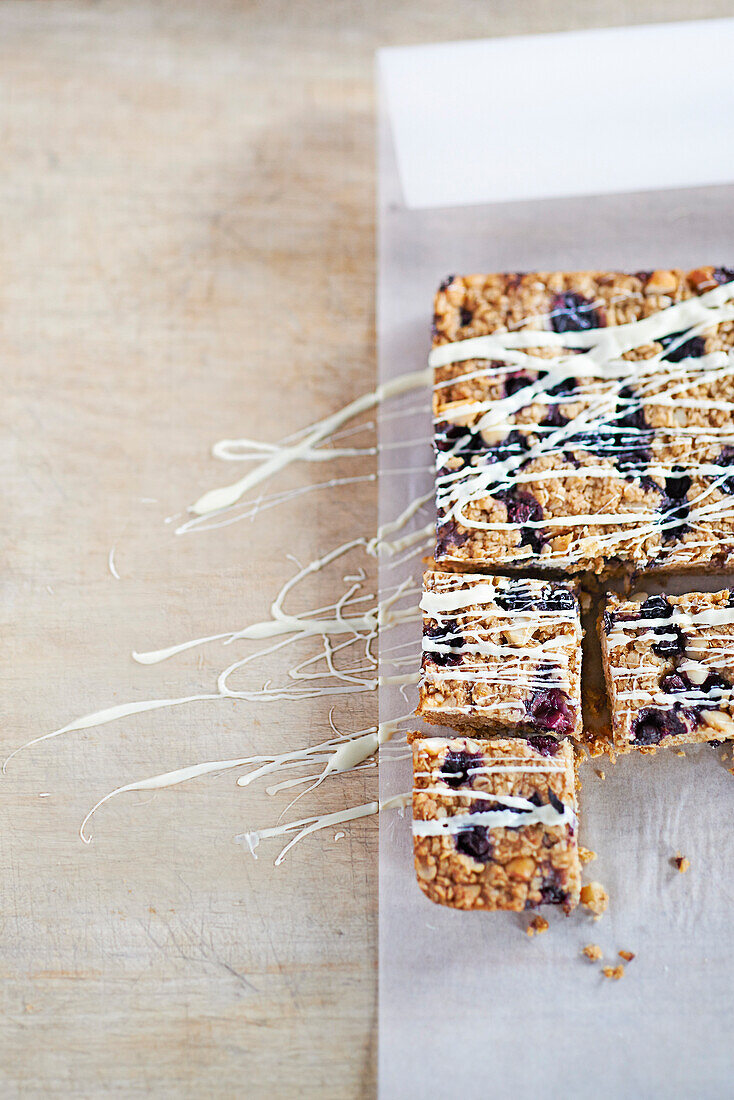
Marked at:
<point>669,668</point>
<point>501,655</point>
<point>583,421</point>
<point>494,823</point>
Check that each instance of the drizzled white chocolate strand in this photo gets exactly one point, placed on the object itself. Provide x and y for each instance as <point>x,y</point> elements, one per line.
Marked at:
<point>352,620</point>
<point>339,754</point>
<point>519,812</point>
<point>310,825</point>
<point>276,461</point>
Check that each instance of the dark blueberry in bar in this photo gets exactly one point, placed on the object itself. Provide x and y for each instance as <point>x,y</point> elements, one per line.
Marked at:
<point>726,458</point>
<point>565,388</point>
<point>465,317</point>
<point>458,768</point>
<point>672,642</point>
<point>635,416</point>
<point>651,726</point>
<point>723,274</point>
<point>656,607</point>
<point>715,744</point>
<point>677,487</point>
<point>633,435</point>
<point>448,536</point>
<point>512,445</point>
<point>546,746</point>
<point>608,622</point>
<point>693,348</point>
<point>446,634</point>
<point>554,418</point>
<point>715,682</point>
<point>521,509</point>
<point>551,894</point>
<point>573,313</point>
<point>674,682</point>
<point>556,802</point>
<point>649,484</point>
<point>558,598</point>
<point>550,710</point>
<point>446,283</point>
<point>552,891</point>
<point>474,842</point>
<point>455,437</point>
<point>516,382</point>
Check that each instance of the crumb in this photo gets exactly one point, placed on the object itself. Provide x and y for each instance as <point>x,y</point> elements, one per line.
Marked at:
<point>680,752</point>
<point>594,897</point>
<point>600,773</point>
<point>681,863</point>
<point>731,770</point>
<point>586,855</point>
<point>723,756</point>
<point>536,926</point>
<point>613,972</point>
<point>628,956</point>
<point>592,952</point>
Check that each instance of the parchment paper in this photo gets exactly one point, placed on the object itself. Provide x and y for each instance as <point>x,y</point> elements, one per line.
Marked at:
<point>469,1005</point>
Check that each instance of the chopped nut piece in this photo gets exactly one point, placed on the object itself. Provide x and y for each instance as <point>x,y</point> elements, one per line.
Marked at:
<point>680,861</point>
<point>594,897</point>
<point>586,855</point>
<point>613,972</point>
<point>537,925</point>
<point>628,956</point>
<point>600,773</point>
<point>592,952</point>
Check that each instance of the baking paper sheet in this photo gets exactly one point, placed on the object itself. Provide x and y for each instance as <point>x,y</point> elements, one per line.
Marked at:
<point>469,1005</point>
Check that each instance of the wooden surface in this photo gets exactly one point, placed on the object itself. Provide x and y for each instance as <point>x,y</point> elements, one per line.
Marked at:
<point>187,247</point>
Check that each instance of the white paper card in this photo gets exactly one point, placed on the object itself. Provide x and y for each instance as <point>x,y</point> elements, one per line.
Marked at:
<point>580,113</point>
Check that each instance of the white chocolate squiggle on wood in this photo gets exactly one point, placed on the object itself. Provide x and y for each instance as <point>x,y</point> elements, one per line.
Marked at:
<point>344,630</point>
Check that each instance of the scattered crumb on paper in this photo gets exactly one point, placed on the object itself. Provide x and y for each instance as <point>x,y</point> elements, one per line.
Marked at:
<point>594,897</point>
<point>536,926</point>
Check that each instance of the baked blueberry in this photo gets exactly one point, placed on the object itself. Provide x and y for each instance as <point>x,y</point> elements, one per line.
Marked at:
<point>474,842</point>
<point>459,766</point>
<point>550,710</point>
<point>652,725</point>
<point>572,312</point>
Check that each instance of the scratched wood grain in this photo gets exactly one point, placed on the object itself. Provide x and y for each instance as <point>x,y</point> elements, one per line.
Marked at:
<point>186,247</point>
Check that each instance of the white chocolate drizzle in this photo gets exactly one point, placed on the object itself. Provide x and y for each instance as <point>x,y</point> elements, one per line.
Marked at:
<point>344,631</point>
<point>518,813</point>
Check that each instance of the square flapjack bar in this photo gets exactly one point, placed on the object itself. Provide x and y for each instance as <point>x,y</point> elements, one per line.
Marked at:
<point>495,823</point>
<point>501,655</point>
<point>669,668</point>
<point>583,421</point>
